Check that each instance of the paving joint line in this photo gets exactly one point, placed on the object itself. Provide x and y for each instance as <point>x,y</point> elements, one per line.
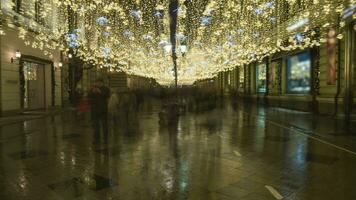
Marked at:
<point>274,192</point>
<point>304,134</point>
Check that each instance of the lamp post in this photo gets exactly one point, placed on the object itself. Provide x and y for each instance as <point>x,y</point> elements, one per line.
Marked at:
<point>173,12</point>
<point>17,56</point>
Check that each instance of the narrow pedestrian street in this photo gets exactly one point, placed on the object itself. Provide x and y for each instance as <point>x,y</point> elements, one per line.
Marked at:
<point>233,151</point>
<point>177,99</point>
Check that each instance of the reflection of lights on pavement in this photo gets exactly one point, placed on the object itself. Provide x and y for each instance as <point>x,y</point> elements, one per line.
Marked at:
<point>23,182</point>
<point>237,153</point>
<point>183,185</point>
<point>168,179</point>
<point>25,125</point>
<point>169,184</point>
<point>62,156</point>
<point>274,192</point>
<point>300,157</point>
<point>73,161</point>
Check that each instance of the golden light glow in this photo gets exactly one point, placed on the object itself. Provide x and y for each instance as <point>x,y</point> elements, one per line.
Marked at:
<point>212,35</point>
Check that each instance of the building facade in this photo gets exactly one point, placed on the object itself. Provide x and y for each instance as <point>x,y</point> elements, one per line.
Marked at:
<point>30,76</point>
<point>319,79</point>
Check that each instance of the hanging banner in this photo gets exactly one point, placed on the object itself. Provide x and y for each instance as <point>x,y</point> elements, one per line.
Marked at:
<point>331,50</point>
<point>274,73</point>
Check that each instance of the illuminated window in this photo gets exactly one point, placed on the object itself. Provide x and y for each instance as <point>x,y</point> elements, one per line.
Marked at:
<point>274,70</point>
<point>38,12</point>
<point>229,77</point>
<point>30,71</point>
<point>261,77</point>
<point>241,77</point>
<point>298,73</point>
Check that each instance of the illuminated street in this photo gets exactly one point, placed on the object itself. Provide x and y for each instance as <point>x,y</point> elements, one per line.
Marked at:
<point>218,154</point>
<point>178,99</point>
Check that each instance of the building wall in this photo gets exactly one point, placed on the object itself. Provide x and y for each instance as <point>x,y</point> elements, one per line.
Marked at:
<point>10,79</point>
<point>118,80</point>
<point>326,99</point>
<point>58,88</point>
<point>137,82</point>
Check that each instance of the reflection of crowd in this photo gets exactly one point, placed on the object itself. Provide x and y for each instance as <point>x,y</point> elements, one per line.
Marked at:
<point>124,102</point>
<point>191,98</point>
<point>116,106</point>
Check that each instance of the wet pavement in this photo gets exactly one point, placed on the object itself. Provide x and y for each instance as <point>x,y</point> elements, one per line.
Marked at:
<point>238,152</point>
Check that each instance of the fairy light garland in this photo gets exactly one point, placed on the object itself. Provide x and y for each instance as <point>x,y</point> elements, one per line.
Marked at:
<point>212,35</point>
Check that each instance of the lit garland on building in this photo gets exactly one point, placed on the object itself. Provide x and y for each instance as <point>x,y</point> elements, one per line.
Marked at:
<point>212,35</point>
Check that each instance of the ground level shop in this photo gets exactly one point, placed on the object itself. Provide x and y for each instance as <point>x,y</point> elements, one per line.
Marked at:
<point>318,79</point>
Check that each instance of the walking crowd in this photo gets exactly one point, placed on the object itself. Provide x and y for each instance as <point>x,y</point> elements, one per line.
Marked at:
<point>113,107</point>
<point>108,106</point>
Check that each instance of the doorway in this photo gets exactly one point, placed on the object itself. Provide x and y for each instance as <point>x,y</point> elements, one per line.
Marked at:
<point>33,86</point>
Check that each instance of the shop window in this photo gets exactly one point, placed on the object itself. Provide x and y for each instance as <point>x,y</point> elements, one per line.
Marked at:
<point>298,73</point>
<point>39,12</point>
<point>274,76</point>
<point>261,77</point>
<point>30,71</point>
<point>241,77</point>
<point>17,5</point>
<point>229,79</point>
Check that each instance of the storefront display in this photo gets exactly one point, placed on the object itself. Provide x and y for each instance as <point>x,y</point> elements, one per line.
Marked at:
<point>241,78</point>
<point>261,77</point>
<point>274,76</point>
<point>331,49</point>
<point>33,86</point>
<point>298,73</point>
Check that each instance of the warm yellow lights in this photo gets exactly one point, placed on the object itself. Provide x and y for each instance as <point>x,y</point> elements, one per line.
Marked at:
<point>18,54</point>
<point>212,35</point>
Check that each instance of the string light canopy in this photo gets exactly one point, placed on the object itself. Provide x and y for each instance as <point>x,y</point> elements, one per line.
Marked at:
<point>133,36</point>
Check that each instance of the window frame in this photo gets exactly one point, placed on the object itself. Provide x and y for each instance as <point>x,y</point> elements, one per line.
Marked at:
<point>17,6</point>
<point>257,78</point>
<point>288,90</point>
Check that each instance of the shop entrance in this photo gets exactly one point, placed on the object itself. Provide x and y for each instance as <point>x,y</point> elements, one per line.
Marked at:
<point>33,86</point>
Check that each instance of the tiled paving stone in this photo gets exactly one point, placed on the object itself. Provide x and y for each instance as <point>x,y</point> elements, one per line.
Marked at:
<point>15,136</point>
<point>284,192</point>
<point>277,138</point>
<point>97,183</point>
<point>256,196</point>
<point>249,184</point>
<point>234,192</point>
<point>69,136</point>
<point>114,151</point>
<point>321,159</point>
<point>69,189</point>
<point>28,154</point>
<point>342,133</point>
<point>251,127</point>
<point>77,187</point>
<point>291,183</point>
<point>150,163</point>
<point>213,196</point>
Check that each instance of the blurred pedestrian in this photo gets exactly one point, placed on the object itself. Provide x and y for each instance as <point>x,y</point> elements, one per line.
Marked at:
<point>114,106</point>
<point>125,104</point>
<point>99,96</point>
<point>139,98</point>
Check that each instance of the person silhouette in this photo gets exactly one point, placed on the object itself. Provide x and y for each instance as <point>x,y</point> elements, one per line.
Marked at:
<point>99,95</point>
